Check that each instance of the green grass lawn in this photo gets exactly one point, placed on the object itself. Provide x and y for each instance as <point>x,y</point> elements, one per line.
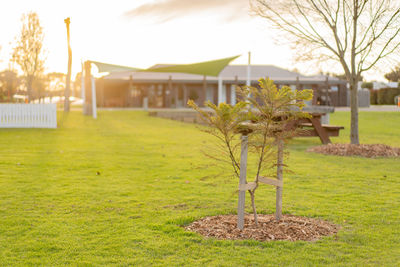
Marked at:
<point>114,192</point>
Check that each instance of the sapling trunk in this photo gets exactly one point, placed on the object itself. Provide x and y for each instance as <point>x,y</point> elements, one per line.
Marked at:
<point>253,205</point>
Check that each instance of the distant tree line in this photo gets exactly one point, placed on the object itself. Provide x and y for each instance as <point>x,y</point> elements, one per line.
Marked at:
<point>47,85</point>
<point>394,75</point>
<point>25,75</point>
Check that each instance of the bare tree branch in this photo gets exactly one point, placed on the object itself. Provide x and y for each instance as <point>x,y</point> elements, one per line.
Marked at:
<point>357,34</point>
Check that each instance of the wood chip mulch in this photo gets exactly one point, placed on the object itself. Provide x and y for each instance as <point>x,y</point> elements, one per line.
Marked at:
<point>367,151</point>
<point>290,227</point>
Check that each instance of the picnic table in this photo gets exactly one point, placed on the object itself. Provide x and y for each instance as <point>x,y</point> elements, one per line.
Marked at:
<point>318,124</point>
<point>313,127</point>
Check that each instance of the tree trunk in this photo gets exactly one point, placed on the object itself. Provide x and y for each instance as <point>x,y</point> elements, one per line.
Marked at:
<point>29,89</point>
<point>354,138</point>
<point>87,105</point>
<point>253,205</point>
<point>68,79</point>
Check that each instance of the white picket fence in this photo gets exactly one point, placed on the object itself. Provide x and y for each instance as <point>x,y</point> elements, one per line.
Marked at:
<point>28,116</point>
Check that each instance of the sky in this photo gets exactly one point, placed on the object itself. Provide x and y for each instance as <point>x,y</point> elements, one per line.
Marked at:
<point>142,33</point>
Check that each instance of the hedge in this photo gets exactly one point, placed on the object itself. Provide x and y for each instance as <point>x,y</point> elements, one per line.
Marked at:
<point>385,96</point>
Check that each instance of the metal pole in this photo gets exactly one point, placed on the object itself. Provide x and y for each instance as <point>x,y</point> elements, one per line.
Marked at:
<point>94,104</point>
<point>83,87</point>
<point>248,82</point>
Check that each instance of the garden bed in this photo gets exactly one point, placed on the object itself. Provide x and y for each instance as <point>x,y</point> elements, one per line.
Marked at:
<point>367,151</point>
<point>290,228</point>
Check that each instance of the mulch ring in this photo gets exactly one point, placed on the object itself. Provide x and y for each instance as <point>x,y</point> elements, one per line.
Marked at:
<point>290,228</point>
<point>367,151</point>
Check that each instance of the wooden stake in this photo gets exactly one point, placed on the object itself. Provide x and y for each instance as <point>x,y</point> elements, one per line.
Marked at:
<point>242,181</point>
<point>279,175</point>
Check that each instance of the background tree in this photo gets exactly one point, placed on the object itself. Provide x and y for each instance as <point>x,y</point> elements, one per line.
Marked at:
<point>343,76</point>
<point>9,83</point>
<point>41,84</point>
<point>77,84</point>
<point>355,33</point>
<point>367,85</point>
<point>56,84</point>
<point>28,52</point>
<point>394,75</point>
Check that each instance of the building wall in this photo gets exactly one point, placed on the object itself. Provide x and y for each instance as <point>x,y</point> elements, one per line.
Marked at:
<point>170,94</point>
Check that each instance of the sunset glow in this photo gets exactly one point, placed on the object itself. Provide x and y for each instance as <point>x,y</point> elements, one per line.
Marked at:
<point>126,33</point>
<point>143,33</point>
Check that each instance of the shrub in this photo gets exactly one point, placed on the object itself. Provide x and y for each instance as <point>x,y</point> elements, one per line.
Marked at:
<point>368,85</point>
<point>385,96</point>
<point>373,97</point>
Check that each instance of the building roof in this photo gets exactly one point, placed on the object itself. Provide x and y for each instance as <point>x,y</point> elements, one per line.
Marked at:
<point>230,73</point>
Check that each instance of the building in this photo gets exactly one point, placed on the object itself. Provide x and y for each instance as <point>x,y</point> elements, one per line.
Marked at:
<point>173,90</point>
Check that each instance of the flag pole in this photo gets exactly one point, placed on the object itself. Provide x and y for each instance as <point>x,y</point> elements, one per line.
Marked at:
<point>83,86</point>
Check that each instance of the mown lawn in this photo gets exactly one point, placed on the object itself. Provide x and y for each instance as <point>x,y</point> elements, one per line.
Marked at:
<point>114,192</point>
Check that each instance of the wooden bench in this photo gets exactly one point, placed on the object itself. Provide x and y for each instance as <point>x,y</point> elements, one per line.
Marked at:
<point>332,130</point>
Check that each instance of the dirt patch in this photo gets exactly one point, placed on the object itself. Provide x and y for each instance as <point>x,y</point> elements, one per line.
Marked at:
<point>367,151</point>
<point>291,228</point>
<point>182,206</point>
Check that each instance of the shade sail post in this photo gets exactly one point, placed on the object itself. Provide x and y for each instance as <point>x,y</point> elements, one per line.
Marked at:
<point>94,100</point>
<point>145,104</point>
<point>83,83</point>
